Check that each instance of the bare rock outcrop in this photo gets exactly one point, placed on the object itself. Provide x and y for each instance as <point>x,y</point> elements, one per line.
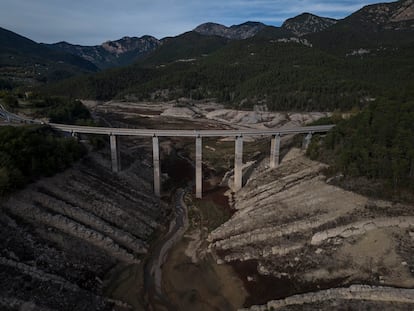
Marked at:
<point>293,225</point>
<point>403,298</point>
<point>362,227</point>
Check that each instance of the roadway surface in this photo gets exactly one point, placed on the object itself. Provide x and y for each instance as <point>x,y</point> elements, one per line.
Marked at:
<point>10,117</point>
<point>189,133</point>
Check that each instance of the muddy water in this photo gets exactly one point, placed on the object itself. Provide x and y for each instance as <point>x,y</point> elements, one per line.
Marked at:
<point>184,285</point>
<point>125,283</point>
<point>153,274</point>
<point>203,285</point>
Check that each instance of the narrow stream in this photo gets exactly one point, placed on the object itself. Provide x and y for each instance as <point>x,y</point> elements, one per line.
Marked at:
<point>152,269</point>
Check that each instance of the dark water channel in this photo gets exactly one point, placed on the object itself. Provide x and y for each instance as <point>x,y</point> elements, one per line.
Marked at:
<point>179,170</point>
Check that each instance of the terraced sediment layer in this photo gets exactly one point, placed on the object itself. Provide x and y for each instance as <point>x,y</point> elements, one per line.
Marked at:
<point>61,235</point>
<point>295,227</point>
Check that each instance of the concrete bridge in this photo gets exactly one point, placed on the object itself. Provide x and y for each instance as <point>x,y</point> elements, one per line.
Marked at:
<point>114,133</point>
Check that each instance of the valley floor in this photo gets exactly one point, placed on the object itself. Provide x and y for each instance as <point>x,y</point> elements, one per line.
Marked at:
<point>289,240</point>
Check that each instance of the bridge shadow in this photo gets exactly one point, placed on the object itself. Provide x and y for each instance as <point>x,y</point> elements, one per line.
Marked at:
<point>284,149</point>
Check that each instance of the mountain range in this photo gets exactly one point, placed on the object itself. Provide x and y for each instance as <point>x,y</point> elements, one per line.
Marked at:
<point>129,50</point>
<point>25,61</point>
<point>370,28</point>
<point>111,53</point>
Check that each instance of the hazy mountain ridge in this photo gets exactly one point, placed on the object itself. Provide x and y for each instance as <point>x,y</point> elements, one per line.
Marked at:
<point>372,27</point>
<point>112,53</point>
<point>234,32</point>
<point>25,61</point>
<point>395,16</point>
<point>298,26</point>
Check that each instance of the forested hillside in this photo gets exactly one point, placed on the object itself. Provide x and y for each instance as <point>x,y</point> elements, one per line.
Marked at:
<point>23,61</point>
<point>285,76</point>
<point>376,143</point>
<point>329,65</point>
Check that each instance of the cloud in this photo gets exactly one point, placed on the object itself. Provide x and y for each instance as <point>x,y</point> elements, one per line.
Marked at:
<point>95,21</point>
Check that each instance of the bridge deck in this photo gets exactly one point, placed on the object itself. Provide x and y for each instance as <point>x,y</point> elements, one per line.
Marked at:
<point>189,133</point>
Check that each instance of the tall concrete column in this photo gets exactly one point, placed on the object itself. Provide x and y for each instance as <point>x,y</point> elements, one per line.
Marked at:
<point>75,135</point>
<point>199,166</point>
<point>238,163</point>
<point>115,156</point>
<point>275,151</point>
<point>306,141</point>
<point>156,163</point>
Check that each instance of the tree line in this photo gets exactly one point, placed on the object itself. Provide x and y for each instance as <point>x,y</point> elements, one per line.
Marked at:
<point>376,143</point>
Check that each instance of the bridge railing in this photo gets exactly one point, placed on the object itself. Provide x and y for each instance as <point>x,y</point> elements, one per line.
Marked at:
<point>189,133</point>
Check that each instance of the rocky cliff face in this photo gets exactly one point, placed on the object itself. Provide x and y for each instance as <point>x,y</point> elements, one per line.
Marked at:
<point>297,228</point>
<point>112,53</point>
<point>397,15</point>
<point>235,32</point>
<point>61,235</point>
<point>127,44</point>
<point>307,23</point>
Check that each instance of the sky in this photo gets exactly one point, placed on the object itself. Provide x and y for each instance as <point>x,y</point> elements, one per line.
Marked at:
<point>92,22</point>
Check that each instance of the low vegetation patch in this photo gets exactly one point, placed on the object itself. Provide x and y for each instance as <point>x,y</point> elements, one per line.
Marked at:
<point>212,215</point>
<point>30,152</point>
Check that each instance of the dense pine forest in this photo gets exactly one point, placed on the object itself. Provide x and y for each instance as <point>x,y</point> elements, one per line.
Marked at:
<point>377,144</point>
<point>284,76</point>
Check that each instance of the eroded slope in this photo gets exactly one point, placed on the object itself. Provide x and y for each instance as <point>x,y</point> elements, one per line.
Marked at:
<point>294,226</point>
<point>61,235</point>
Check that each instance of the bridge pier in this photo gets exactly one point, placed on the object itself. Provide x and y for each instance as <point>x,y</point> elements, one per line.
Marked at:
<point>198,134</point>
<point>238,163</point>
<point>199,166</point>
<point>306,141</point>
<point>275,151</point>
<point>115,155</point>
<point>156,163</point>
<point>75,135</point>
